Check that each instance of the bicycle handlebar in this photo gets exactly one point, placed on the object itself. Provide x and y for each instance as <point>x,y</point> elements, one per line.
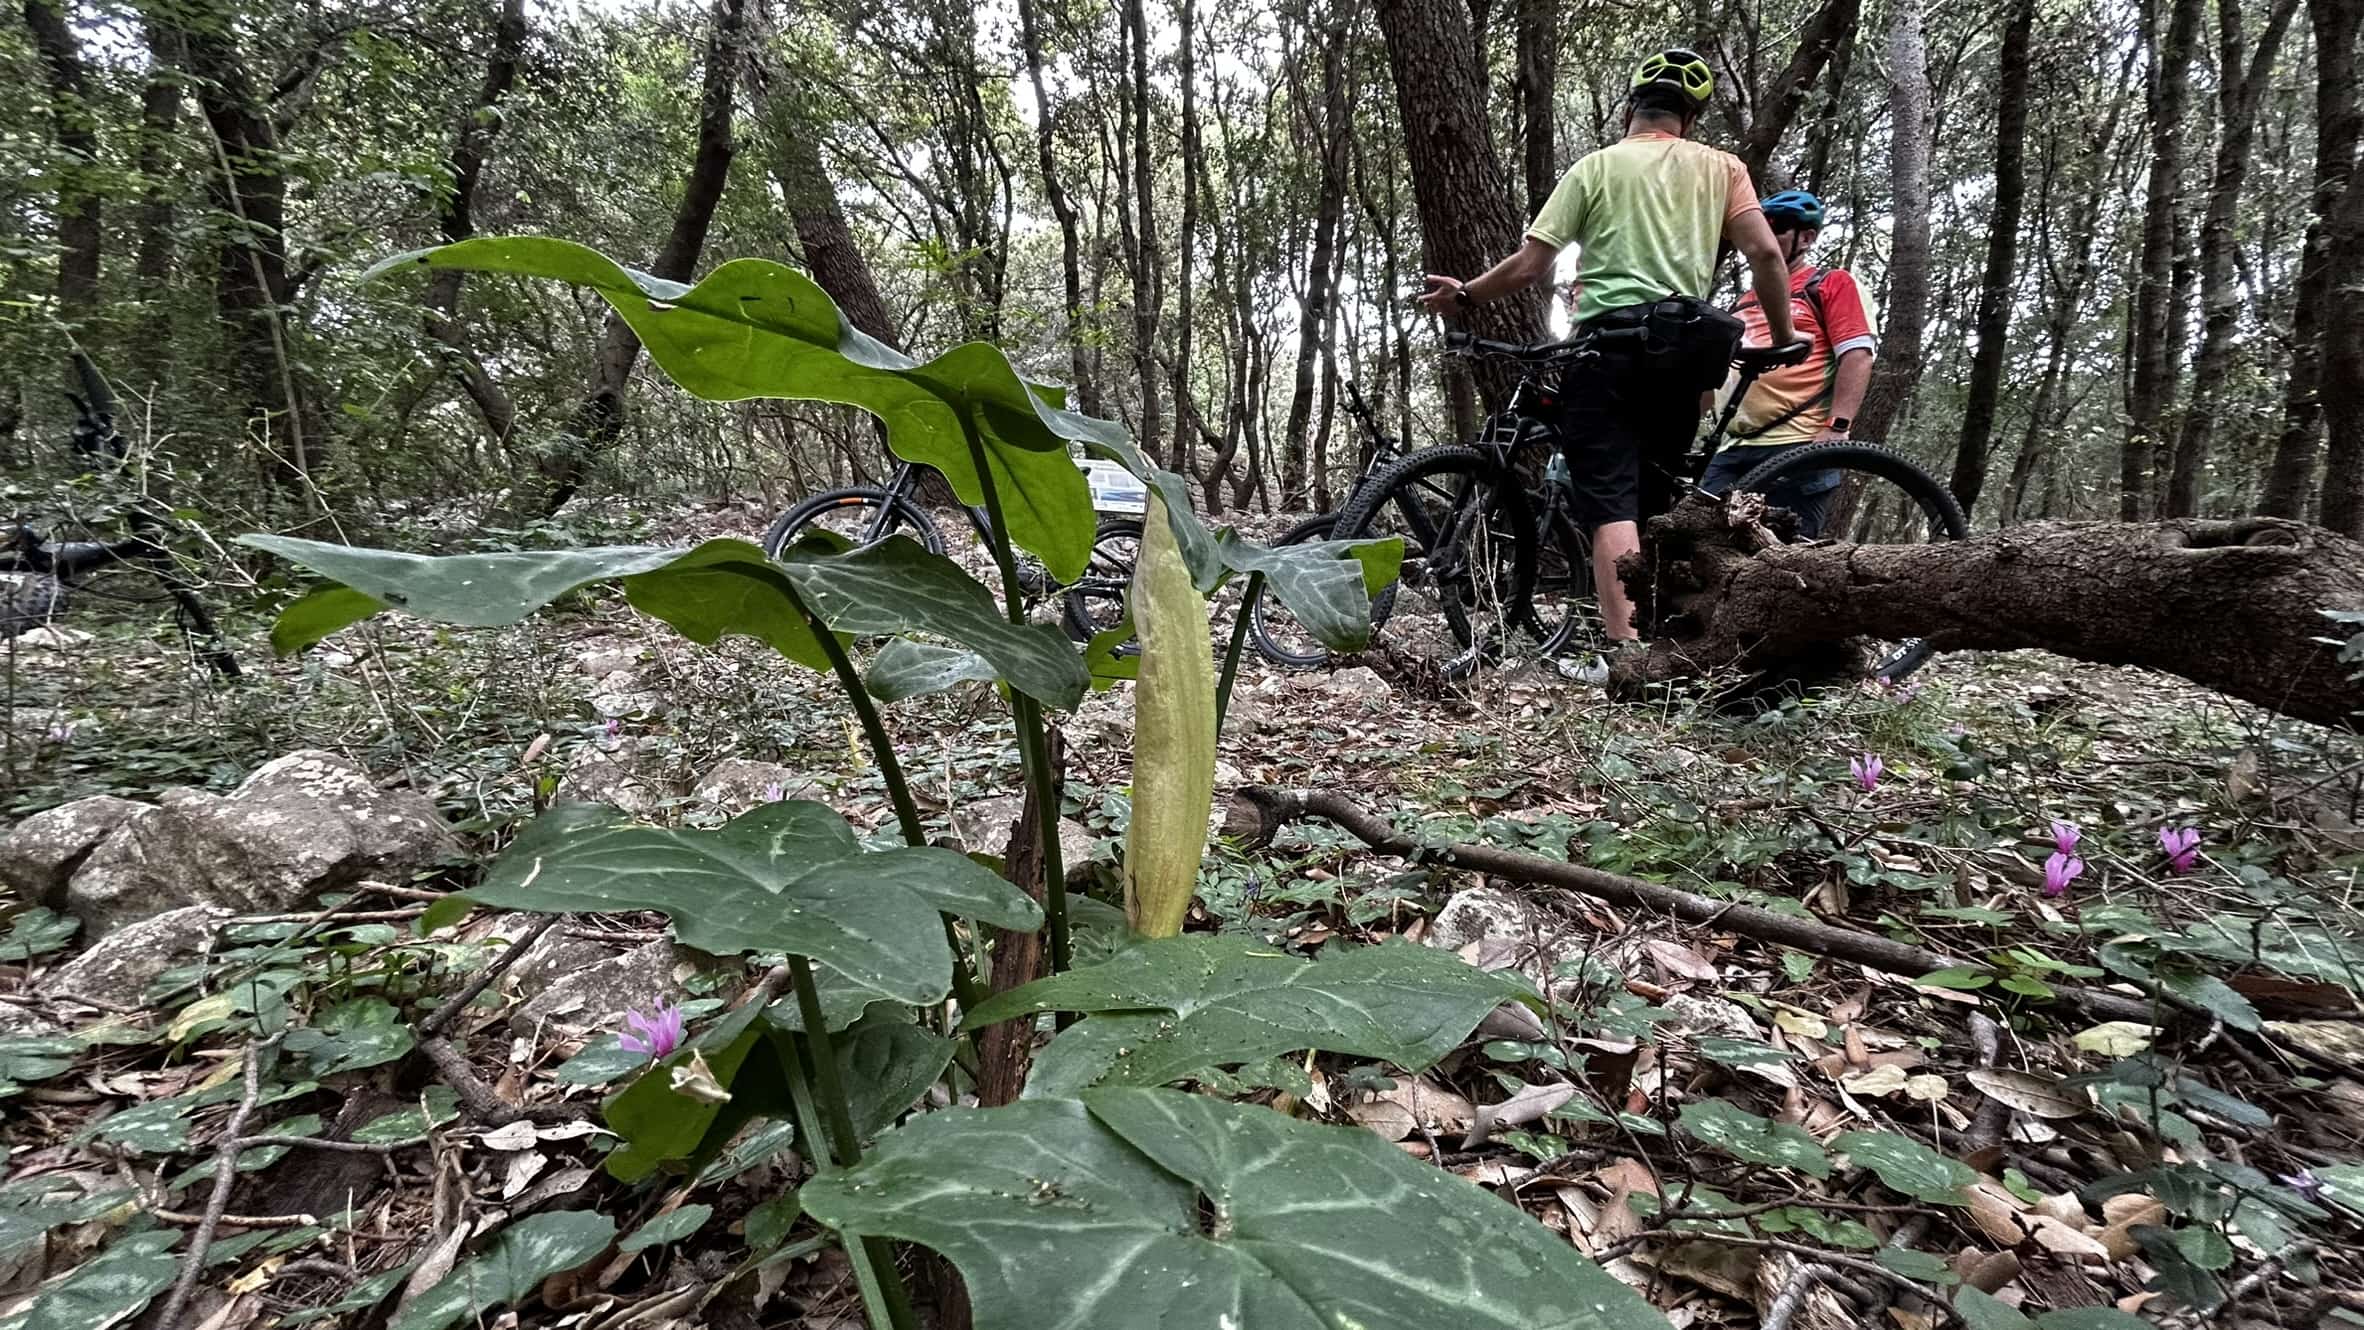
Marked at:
<point>1753,359</point>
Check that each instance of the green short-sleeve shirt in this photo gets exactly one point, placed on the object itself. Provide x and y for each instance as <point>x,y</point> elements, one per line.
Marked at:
<point>1650,213</point>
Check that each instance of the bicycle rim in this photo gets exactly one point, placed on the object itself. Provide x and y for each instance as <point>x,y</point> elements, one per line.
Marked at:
<point>1461,599</point>
<point>858,515</point>
<point>1095,602</point>
<point>1276,633</point>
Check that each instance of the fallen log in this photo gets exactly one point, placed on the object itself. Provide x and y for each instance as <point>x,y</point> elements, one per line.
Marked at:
<point>1258,812</point>
<point>2234,605</point>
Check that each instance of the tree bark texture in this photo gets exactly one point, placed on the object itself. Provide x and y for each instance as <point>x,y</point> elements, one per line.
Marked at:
<point>599,419</point>
<point>823,238</point>
<point>1830,30</point>
<point>2151,390</point>
<point>75,128</point>
<point>160,114</point>
<point>2002,257</point>
<point>1467,217</point>
<point>1193,153</point>
<point>2241,83</point>
<point>2339,119</point>
<point>1087,387</point>
<point>1148,264</point>
<point>1537,71</point>
<point>1315,310</point>
<point>1899,368</point>
<point>2343,369</point>
<point>472,141</point>
<point>2233,605</point>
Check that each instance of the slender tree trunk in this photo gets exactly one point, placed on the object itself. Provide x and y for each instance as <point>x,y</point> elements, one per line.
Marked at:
<point>2343,370</point>
<point>1185,416</point>
<point>152,265</point>
<point>1828,33</point>
<point>2151,391</point>
<point>2339,118</point>
<point>823,239</point>
<point>2241,82</point>
<point>1148,265</point>
<point>1538,71</point>
<point>599,419</point>
<point>74,126</point>
<point>1829,119</point>
<point>2002,257</point>
<point>472,141</point>
<point>1087,386</point>
<point>1899,369</point>
<point>1320,296</point>
<point>1467,217</point>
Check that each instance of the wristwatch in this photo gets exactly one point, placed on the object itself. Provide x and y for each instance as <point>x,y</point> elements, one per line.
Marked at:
<point>1839,424</point>
<point>1462,298</point>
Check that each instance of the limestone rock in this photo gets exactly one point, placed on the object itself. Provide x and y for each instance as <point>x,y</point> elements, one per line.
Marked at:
<point>550,959</point>
<point>1358,681</point>
<point>120,966</point>
<point>629,775</point>
<point>598,997</point>
<point>303,824</point>
<point>983,826</point>
<point>40,854</point>
<point>738,784</point>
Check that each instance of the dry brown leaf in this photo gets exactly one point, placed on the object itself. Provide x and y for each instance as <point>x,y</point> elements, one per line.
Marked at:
<point>1804,1024</point>
<point>1987,1272</point>
<point>1876,1082</point>
<point>2054,1236</point>
<point>1497,1173</point>
<point>2117,1236</point>
<point>1415,1102</point>
<point>1526,1106</point>
<point>2037,1096</point>
<point>1857,1054</point>
<point>1851,1010</point>
<point>1997,1213</point>
<point>1681,960</point>
<point>1927,1087</point>
<point>2066,1208</point>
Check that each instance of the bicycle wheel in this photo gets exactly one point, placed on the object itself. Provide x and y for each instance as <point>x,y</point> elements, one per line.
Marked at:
<point>1095,602</point>
<point>861,514</point>
<point>1563,596</point>
<point>1926,510</point>
<point>1278,636</point>
<point>1463,597</point>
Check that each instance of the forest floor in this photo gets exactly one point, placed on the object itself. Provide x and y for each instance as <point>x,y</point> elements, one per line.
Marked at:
<point>2208,1160</point>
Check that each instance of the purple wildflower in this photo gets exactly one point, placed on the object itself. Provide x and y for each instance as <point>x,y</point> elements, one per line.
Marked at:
<point>613,728</point>
<point>2059,871</point>
<point>2182,845</point>
<point>1867,768</point>
<point>654,1035</point>
<point>774,793</point>
<point>2065,836</point>
<point>2304,1182</point>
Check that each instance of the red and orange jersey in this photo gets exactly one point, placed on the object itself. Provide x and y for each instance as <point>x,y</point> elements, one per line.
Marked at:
<point>1801,392</point>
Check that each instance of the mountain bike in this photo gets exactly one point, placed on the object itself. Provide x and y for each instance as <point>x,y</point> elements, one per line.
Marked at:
<point>1276,633</point>
<point>1495,562</point>
<point>866,514</point>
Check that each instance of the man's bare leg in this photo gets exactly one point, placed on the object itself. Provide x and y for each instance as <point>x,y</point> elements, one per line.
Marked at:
<point>1611,542</point>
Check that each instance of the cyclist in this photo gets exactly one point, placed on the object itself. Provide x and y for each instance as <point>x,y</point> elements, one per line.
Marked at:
<point>1649,212</point>
<point>1815,400</point>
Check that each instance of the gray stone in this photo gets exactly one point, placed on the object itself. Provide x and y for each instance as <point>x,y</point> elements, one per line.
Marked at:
<point>598,997</point>
<point>1356,681</point>
<point>303,824</point>
<point>40,854</point>
<point>120,966</point>
<point>601,663</point>
<point>550,959</point>
<point>629,775</point>
<point>19,1021</point>
<point>738,784</point>
<point>1497,929</point>
<point>622,694</point>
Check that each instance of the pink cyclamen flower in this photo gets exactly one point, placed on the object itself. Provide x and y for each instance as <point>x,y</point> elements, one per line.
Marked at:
<point>2059,871</point>
<point>2304,1182</point>
<point>1867,768</point>
<point>654,1035</point>
<point>2182,845</point>
<point>774,793</point>
<point>2065,836</point>
<point>613,727</point>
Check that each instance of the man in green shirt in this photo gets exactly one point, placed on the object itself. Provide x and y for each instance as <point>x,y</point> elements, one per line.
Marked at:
<point>1650,213</point>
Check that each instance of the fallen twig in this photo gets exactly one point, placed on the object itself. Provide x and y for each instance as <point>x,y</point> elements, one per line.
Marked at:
<point>441,1018</point>
<point>225,1175</point>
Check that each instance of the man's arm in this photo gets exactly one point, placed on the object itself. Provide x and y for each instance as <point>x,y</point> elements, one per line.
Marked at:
<point>1527,265</point>
<point>1748,233</point>
<point>1846,390</point>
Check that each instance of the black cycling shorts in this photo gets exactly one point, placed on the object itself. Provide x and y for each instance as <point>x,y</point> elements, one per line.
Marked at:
<point>1625,431</point>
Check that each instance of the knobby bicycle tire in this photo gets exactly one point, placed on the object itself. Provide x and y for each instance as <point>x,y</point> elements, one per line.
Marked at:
<point>1107,576</point>
<point>904,514</point>
<point>1936,502</point>
<point>1264,602</point>
<point>1403,486</point>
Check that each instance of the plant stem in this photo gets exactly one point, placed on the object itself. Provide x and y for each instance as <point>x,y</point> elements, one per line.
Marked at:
<point>883,1296</point>
<point>1034,758</point>
<point>848,1150</point>
<point>890,770</point>
<point>1239,638</point>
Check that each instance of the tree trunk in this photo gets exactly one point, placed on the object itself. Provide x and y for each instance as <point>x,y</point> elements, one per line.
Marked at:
<point>1828,32</point>
<point>2002,257</point>
<point>1899,368</point>
<point>1185,415</point>
<point>1314,310</point>
<point>1467,218</point>
<point>2343,369</point>
<point>1148,266</point>
<point>472,140</point>
<point>1087,387</point>
<point>823,239</point>
<point>152,264</point>
<point>599,419</point>
<point>75,128</point>
<point>2236,606</point>
<point>2339,118</point>
<point>2152,388</point>
<point>1538,70</point>
<point>1829,120</point>
<point>2241,83</point>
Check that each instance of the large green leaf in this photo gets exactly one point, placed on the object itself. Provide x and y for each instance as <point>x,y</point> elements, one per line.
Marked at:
<point>1327,584</point>
<point>1905,1165</point>
<point>1744,1135</point>
<point>896,586</point>
<point>904,668</point>
<point>887,1063</point>
<point>526,1253</point>
<point>754,328</point>
<point>785,876</point>
<point>1984,1311</point>
<point>109,1290</point>
<point>664,1128</point>
<point>1174,1006</point>
<point>1154,1209</point>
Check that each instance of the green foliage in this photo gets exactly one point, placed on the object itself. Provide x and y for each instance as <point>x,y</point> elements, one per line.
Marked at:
<point>1150,1208</point>
<point>520,1258</point>
<point>1905,1165</point>
<point>108,1290</point>
<point>1171,1007</point>
<point>1744,1135</point>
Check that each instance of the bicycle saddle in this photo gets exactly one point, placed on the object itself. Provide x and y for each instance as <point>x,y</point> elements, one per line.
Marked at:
<point>1762,358</point>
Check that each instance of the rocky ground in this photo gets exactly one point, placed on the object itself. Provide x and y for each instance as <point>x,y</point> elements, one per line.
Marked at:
<point>176,839</point>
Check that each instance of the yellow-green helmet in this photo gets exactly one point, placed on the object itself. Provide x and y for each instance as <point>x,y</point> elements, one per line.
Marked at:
<point>1678,68</point>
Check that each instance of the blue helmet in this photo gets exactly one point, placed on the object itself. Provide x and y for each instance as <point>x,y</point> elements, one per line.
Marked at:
<point>1796,207</point>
